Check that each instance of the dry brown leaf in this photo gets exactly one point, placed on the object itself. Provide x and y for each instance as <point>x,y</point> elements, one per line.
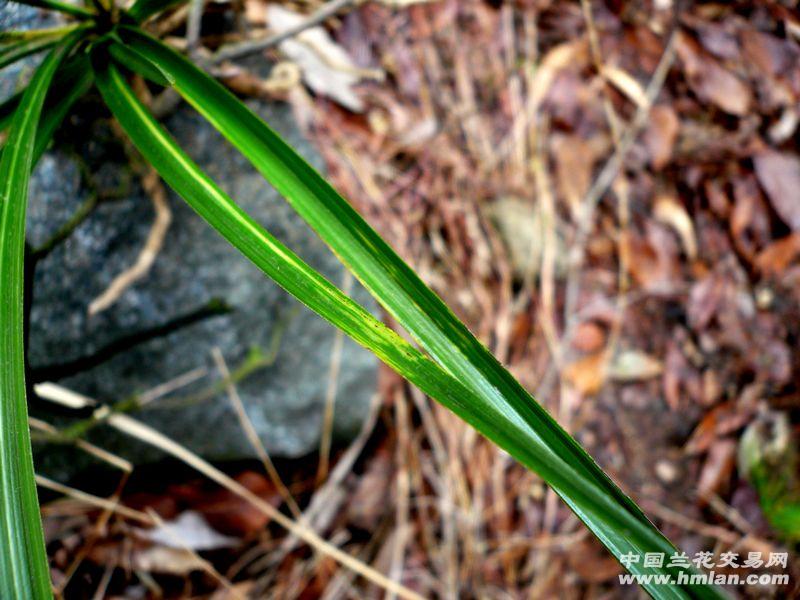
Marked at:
<point>634,365</point>
<point>775,258</point>
<point>653,260</point>
<point>749,222</point>
<point>671,212</point>
<point>625,83</point>
<point>779,175</point>
<point>574,158</point>
<point>717,469</point>
<point>588,374</point>
<point>327,68</point>
<point>660,135</point>
<point>592,563</point>
<point>189,530</point>
<point>588,337</point>
<point>711,82</point>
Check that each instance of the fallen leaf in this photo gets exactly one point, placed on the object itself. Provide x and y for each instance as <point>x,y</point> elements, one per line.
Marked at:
<point>660,135</point>
<point>775,258</point>
<point>367,504</point>
<point>574,159</point>
<point>588,374</point>
<point>712,82</point>
<point>162,559</point>
<point>767,52</point>
<point>589,337</point>
<point>592,563</point>
<point>520,225</point>
<point>668,210</point>
<point>327,68</point>
<point>779,175</point>
<point>653,259</point>
<point>230,514</point>
<point>717,469</point>
<point>189,530</point>
<point>625,83</point>
<point>749,223</point>
<point>634,365</point>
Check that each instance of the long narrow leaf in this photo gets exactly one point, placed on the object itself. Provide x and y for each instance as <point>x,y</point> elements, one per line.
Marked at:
<point>377,266</point>
<point>7,109</point>
<point>23,563</point>
<point>144,9</point>
<point>11,53</point>
<point>72,81</point>
<point>622,530</point>
<point>391,281</point>
<point>78,12</point>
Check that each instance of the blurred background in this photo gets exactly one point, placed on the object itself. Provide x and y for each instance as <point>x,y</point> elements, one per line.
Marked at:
<point>606,192</point>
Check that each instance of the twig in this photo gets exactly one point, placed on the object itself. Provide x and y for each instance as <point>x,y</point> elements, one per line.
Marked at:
<point>402,509</point>
<point>92,500</point>
<point>193,23</point>
<point>99,453</point>
<point>205,565</point>
<point>155,240</point>
<point>252,435</point>
<point>248,47</point>
<point>330,395</point>
<point>150,436</point>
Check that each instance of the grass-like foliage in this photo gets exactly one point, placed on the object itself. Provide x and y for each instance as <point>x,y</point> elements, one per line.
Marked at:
<point>100,47</point>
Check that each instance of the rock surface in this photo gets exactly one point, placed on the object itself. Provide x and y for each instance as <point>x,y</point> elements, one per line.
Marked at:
<point>284,400</point>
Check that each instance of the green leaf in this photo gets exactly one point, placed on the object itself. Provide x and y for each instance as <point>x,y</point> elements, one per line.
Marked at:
<point>127,58</point>
<point>17,35</point>
<point>23,564</point>
<point>19,49</point>
<point>144,9</point>
<point>7,109</point>
<point>78,12</point>
<point>474,392</point>
<point>71,82</point>
<point>382,272</point>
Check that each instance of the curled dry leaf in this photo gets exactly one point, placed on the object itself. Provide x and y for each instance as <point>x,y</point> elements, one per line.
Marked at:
<point>188,530</point>
<point>653,258</point>
<point>625,83</point>
<point>671,212</point>
<point>779,175</point>
<point>634,365</point>
<point>327,68</point>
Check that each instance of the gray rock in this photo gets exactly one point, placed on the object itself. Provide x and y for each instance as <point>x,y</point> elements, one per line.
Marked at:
<point>284,400</point>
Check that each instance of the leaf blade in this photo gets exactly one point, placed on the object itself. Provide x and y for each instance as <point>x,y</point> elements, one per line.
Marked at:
<point>23,563</point>
<point>375,264</point>
<point>78,12</point>
<point>73,80</point>
<point>505,427</point>
<point>144,9</point>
